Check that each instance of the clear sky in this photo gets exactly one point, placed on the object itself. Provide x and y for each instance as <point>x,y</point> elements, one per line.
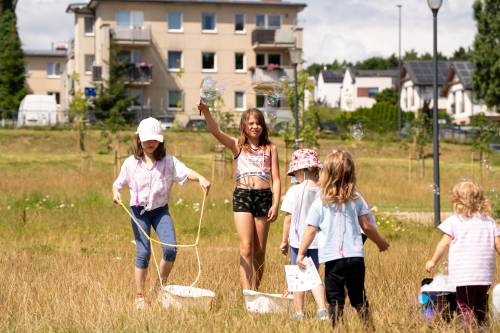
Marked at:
<point>349,30</point>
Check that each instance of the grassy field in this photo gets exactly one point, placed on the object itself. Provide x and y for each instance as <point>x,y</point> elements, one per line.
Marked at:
<point>66,257</point>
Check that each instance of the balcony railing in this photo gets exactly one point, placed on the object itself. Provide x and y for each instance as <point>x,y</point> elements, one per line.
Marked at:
<point>139,73</point>
<point>283,37</point>
<point>124,35</point>
<point>275,75</point>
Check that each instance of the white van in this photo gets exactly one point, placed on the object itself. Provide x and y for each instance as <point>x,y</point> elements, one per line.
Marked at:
<point>37,110</point>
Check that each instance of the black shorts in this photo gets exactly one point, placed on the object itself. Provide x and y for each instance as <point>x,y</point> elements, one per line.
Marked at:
<point>257,202</point>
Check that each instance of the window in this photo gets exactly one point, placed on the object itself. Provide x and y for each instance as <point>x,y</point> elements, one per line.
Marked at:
<point>274,59</point>
<point>174,21</point>
<point>130,19</point>
<point>89,25</point>
<point>130,56</point>
<point>137,94</point>
<point>174,61</point>
<point>264,59</point>
<point>208,22</point>
<point>273,21</point>
<point>208,61</point>
<point>260,21</point>
<point>89,61</point>
<point>239,23</point>
<point>261,59</point>
<point>239,101</point>
<point>372,92</point>
<point>56,94</point>
<point>53,69</point>
<point>260,101</point>
<point>174,100</point>
<point>239,62</point>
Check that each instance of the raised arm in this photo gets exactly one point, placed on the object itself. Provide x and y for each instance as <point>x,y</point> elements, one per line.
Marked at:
<point>226,140</point>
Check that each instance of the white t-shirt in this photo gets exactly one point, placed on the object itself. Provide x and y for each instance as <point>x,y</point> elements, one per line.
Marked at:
<point>339,234</point>
<point>297,194</point>
<point>471,258</point>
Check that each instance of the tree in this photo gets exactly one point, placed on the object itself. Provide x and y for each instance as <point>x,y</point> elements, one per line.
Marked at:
<point>485,55</point>
<point>388,95</point>
<point>378,63</point>
<point>461,54</point>
<point>483,135</point>
<point>78,112</point>
<point>12,76</point>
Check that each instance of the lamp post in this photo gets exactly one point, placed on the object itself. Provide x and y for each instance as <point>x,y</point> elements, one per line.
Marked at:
<point>399,72</point>
<point>434,5</point>
<point>295,58</point>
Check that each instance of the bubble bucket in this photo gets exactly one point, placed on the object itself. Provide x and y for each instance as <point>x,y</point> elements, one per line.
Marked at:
<point>495,300</point>
<point>266,303</point>
<point>437,298</point>
<point>181,297</point>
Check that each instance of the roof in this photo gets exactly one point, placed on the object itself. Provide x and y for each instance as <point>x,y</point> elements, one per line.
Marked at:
<point>463,70</point>
<point>421,72</point>
<point>330,76</point>
<point>392,73</point>
<point>45,53</point>
<point>36,103</point>
<point>94,3</point>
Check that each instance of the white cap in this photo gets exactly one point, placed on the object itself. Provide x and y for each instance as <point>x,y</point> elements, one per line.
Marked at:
<point>149,129</point>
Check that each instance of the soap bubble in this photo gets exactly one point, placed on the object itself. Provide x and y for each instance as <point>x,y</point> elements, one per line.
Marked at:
<point>357,132</point>
<point>209,90</point>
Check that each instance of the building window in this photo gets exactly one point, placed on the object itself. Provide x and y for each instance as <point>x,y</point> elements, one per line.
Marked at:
<point>174,100</point>
<point>273,21</point>
<point>239,23</point>
<point>89,62</point>
<point>208,61</point>
<point>130,19</point>
<point>53,69</point>
<point>239,101</point>
<point>274,59</point>
<point>372,92</point>
<point>130,57</point>
<point>260,21</point>
<point>260,101</point>
<point>89,25</point>
<point>208,22</point>
<point>174,21</point>
<point>174,60</point>
<point>239,62</point>
<point>56,94</point>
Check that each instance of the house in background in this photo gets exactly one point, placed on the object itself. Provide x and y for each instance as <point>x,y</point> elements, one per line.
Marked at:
<point>359,87</point>
<point>170,46</point>
<point>461,105</point>
<point>417,84</point>
<point>328,87</point>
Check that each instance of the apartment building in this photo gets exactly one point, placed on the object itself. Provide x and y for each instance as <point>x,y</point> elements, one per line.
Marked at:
<point>170,46</point>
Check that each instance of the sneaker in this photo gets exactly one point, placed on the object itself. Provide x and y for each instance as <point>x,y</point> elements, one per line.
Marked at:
<point>297,316</point>
<point>322,315</point>
<point>140,302</point>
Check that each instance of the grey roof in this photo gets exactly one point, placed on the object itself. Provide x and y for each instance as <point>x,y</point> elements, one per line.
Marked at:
<point>421,72</point>
<point>45,53</point>
<point>463,70</point>
<point>93,3</point>
<point>392,73</point>
<point>333,76</point>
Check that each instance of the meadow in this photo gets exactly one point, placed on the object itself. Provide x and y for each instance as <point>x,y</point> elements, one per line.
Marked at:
<point>66,257</point>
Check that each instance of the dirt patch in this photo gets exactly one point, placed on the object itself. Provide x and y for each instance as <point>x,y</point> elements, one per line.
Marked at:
<point>425,218</point>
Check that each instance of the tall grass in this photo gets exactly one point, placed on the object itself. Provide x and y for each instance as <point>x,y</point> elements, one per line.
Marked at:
<point>66,257</point>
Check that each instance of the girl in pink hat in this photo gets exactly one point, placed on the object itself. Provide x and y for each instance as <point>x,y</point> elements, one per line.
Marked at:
<point>305,166</point>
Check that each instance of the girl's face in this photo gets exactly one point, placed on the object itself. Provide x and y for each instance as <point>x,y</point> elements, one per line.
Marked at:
<point>149,146</point>
<point>253,127</point>
<point>299,175</point>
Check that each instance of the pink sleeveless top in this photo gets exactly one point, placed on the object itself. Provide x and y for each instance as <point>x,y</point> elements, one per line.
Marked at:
<point>251,162</point>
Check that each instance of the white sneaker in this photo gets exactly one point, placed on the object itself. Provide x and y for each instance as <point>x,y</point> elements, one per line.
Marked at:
<point>140,303</point>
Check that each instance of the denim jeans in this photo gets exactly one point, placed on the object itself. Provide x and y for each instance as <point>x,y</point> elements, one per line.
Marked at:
<point>161,221</point>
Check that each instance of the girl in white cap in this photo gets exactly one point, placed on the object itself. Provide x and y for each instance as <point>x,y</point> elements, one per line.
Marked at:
<point>305,166</point>
<point>149,175</point>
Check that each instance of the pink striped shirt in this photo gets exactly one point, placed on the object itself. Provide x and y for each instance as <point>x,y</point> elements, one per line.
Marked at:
<point>150,187</point>
<point>471,258</point>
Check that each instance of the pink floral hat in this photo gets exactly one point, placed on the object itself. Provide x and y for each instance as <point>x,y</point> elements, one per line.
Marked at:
<point>303,159</point>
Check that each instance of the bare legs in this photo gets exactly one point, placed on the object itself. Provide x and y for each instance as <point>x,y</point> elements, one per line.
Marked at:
<point>252,234</point>
<point>141,273</point>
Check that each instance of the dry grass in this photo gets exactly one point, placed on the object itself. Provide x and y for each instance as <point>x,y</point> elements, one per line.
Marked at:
<point>68,266</point>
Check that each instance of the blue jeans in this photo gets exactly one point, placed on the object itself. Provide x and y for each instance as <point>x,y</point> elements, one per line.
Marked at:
<point>161,221</point>
<point>313,253</point>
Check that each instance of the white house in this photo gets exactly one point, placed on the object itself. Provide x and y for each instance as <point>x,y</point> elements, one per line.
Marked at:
<point>457,89</point>
<point>417,84</point>
<point>328,87</point>
<point>359,87</point>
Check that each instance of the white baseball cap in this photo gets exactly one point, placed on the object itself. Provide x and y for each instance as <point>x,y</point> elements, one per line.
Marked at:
<point>149,129</point>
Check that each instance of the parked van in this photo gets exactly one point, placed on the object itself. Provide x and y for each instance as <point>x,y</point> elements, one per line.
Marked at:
<point>37,110</point>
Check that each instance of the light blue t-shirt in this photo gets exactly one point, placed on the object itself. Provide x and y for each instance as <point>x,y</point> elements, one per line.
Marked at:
<point>339,233</point>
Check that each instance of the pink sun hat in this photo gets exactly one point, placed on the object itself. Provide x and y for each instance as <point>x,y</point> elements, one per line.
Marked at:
<point>303,159</point>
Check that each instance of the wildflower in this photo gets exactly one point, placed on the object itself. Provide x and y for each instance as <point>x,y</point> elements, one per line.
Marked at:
<point>374,209</point>
<point>226,201</point>
<point>62,205</point>
<point>72,205</point>
<point>8,207</point>
<point>179,202</point>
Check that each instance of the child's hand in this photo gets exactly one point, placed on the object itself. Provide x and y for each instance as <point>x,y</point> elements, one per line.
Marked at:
<point>382,245</point>
<point>272,214</point>
<point>429,265</point>
<point>205,184</point>
<point>300,261</point>
<point>117,198</point>
<point>202,107</point>
<point>284,248</point>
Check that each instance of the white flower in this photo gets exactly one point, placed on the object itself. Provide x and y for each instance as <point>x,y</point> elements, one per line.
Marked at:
<point>72,205</point>
<point>179,202</point>
<point>226,201</point>
<point>62,205</point>
<point>374,209</point>
<point>8,207</point>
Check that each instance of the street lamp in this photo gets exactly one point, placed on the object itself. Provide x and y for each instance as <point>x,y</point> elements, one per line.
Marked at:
<point>434,5</point>
<point>295,58</point>
<point>399,72</point>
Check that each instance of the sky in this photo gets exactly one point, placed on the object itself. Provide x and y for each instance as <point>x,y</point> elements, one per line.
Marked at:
<point>350,30</point>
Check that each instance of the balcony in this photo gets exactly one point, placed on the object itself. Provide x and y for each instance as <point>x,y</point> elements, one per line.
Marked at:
<point>274,75</point>
<point>283,38</point>
<point>138,74</point>
<point>132,36</point>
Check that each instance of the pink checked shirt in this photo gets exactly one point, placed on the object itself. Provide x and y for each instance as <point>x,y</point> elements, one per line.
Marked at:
<point>150,187</point>
<point>471,258</point>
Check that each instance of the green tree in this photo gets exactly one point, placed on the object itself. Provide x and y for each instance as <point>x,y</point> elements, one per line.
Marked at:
<point>12,76</point>
<point>484,134</point>
<point>485,55</point>
<point>78,112</point>
<point>378,63</point>
<point>461,54</point>
<point>388,95</point>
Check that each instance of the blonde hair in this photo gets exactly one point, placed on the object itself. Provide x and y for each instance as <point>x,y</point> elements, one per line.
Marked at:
<point>468,199</point>
<point>338,178</point>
